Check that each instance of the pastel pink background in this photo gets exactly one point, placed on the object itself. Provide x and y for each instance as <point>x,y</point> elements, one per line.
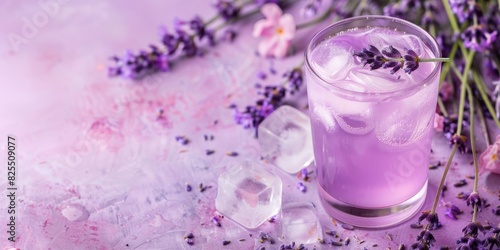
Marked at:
<point>88,143</point>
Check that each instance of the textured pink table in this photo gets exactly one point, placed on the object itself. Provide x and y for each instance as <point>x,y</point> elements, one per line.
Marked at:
<point>99,168</point>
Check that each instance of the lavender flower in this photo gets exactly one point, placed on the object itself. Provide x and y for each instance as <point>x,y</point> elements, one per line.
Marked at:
<point>465,9</point>
<point>262,2</point>
<point>227,9</point>
<point>294,79</point>
<point>433,220</point>
<point>460,141</point>
<point>401,9</point>
<point>425,239</point>
<point>478,38</point>
<point>311,8</point>
<point>467,242</point>
<point>301,187</point>
<point>473,229</point>
<point>136,66</point>
<point>169,40</point>
<point>452,212</point>
<point>475,200</point>
<point>429,17</point>
<point>390,57</point>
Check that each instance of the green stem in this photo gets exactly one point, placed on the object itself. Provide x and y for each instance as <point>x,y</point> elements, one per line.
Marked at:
<point>484,127</point>
<point>473,148</point>
<point>468,64</point>
<point>433,59</point>
<point>443,178</point>
<point>419,59</point>
<point>451,16</point>
<point>320,18</point>
<point>442,107</point>
<point>446,67</point>
<point>481,87</point>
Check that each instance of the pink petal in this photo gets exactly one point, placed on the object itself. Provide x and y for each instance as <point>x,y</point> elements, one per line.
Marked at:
<point>271,11</point>
<point>287,23</point>
<point>281,48</point>
<point>266,46</point>
<point>263,28</point>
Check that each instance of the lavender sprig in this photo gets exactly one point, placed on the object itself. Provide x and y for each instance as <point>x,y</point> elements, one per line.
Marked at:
<point>391,58</point>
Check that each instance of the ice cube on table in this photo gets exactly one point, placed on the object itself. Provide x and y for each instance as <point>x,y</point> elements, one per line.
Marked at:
<point>285,139</point>
<point>248,194</point>
<point>300,224</point>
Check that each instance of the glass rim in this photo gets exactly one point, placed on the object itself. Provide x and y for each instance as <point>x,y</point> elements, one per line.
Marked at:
<point>433,46</point>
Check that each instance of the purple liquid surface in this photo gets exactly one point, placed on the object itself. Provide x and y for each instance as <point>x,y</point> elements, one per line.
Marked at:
<point>371,146</point>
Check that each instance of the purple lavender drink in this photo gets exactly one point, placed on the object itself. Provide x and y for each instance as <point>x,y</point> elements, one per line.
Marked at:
<point>371,130</point>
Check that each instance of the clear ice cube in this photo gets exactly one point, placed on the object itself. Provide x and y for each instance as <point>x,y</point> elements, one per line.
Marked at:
<point>248,194</point>
<point>300,224</point>
<point>285,139</point>
<point>409,121</point>
<point>332,60</point>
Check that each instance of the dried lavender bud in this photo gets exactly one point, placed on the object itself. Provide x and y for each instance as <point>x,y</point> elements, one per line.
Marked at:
<point>209,152</point>
<point>226,242</point>
<point>347,241</point>
<point>347,227</point>
<point>232,154</point>
<point>301,187</point>
<point>460,183</point>
<point>188,187</point>
<point>216,221</point>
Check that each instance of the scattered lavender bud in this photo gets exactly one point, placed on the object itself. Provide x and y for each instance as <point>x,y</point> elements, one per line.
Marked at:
<point>321,241</point>
<point>189,236</point>
<point>242,239</point>
<point>336,243</point>
<point>347,241</point>
<point>216,221</point>
<point>445,188</point>
<point>402,247</point>
<point>209,151</point>
<point>226,242</point>
<point>331,233</point>
<point>304,174</point>
<point>301,187</point>
<point>460,183</point>
<point>496,211</point>
<point>188,187</point>
<point>203,188</point>
<point>463,195</point>
<point>416,226</point>
<point>190,242</point>
<point>347,227</point>
<point>232,154</point>
<point>272,219</point>
<point>261,75</point>
<point>182,139</point>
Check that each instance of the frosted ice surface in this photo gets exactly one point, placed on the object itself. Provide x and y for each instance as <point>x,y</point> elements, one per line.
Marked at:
<point>330,61</point>
<point>248,194</point>
<point>324,115</point>
<point>285,139</point>
<point>300,224</point>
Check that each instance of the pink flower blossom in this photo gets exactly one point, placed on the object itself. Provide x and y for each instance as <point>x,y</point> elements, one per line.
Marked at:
<point>277,30</point>
<point>489,159</point>
<point>438,122</point>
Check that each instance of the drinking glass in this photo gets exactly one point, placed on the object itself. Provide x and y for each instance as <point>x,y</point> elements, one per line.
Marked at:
<point>372,130</point>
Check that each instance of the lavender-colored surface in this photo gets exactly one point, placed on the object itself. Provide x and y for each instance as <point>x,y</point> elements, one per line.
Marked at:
<point>100,169</point>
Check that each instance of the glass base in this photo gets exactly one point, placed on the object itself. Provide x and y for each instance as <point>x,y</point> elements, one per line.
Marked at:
<point>372,217</point>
